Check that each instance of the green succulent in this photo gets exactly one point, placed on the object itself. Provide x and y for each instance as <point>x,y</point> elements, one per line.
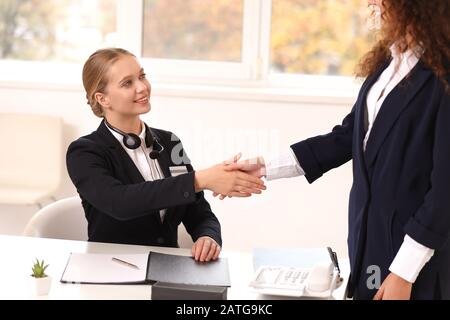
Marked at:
<point>39,269</point>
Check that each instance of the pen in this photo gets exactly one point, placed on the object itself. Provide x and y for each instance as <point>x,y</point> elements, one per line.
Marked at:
<point>124,262</point>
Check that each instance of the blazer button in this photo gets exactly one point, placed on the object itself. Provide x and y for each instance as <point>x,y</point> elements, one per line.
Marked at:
<point>160,240</point>
<point>186,194</point>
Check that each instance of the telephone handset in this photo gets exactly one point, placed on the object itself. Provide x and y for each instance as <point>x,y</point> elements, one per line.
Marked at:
<point>318,281</point>
<point>319,278</point>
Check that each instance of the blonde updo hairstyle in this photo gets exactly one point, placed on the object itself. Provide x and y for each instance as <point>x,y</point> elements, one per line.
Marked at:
<point>95,74</point>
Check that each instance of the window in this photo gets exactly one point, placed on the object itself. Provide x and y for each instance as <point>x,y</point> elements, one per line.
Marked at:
<point>209,30</point>
<point>257,43</point>
<point>55,30</point>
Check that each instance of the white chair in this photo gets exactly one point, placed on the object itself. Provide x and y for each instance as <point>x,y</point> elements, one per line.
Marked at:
<point>184,238</point>
<point>31,157</point>
<point>63,219</point>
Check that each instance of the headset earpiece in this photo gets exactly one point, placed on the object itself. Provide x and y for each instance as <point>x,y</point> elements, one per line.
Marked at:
<point>131,141</point>
<point>154,154</point>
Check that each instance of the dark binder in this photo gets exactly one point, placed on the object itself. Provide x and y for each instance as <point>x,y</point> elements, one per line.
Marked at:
<point>144,268</point>
<point>181,269</point>
<point>176,291</point>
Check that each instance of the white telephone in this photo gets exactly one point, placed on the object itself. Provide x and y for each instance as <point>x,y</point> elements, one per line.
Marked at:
<point>318,281</point>
<point>319,278</point>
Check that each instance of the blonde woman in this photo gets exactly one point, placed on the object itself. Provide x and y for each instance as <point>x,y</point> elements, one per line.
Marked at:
<point>136,183</point>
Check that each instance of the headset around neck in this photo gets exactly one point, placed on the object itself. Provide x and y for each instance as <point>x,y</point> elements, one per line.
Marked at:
<point>132,141</point>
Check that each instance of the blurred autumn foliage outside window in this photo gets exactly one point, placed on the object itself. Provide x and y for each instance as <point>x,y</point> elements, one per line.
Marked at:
<point>55,30</point>
<point>318,36</point>
<point>193,29</point>
<point>325,37</point>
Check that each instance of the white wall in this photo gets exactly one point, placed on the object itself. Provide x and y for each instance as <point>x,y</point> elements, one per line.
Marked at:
<point>290,213</point>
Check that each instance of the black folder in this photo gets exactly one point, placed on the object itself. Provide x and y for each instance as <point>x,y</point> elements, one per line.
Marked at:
<point>144,268</point>
<point>176,291</point>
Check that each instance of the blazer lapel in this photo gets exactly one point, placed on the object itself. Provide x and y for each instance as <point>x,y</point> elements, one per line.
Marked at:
<point>360,114</point>
<point>396,101</point>
<point>112,143</point>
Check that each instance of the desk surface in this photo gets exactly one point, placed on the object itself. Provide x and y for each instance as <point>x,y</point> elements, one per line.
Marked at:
<point>18,254</point>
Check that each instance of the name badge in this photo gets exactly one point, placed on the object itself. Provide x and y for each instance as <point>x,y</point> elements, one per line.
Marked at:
<point>177,170</point>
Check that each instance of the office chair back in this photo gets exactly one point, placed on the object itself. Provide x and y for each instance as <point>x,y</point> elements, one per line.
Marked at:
<point>63,219</point>
<point>32,157</point>
<point>184,238</point>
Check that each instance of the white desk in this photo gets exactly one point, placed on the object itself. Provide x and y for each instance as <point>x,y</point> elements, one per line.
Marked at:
<point>17,255</point>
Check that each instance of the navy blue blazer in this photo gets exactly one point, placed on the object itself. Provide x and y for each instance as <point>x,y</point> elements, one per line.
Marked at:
<point>401,183</point>
<point>121,207</point>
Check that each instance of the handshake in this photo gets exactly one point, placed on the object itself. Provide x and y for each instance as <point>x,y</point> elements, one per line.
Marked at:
<point>233,178</point>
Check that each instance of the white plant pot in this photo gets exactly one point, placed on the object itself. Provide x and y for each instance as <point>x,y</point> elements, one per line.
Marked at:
<point>42,285</point>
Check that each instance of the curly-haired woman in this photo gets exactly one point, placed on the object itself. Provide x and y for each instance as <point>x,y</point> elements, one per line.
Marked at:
<point>397,137</point>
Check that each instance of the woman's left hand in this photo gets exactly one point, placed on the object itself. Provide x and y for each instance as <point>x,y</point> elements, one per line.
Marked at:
<point>394,288</point>
<point>205,249</point>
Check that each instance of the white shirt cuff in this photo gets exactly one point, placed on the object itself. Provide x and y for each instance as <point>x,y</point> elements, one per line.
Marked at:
<point>284,165</point>
<point>410,259</point>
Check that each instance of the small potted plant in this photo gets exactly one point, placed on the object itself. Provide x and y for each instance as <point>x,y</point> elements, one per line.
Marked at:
<point>41,280</point>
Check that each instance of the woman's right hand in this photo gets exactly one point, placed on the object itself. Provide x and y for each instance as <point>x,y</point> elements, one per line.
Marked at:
<point>224,180</point>
<point>255,167</point>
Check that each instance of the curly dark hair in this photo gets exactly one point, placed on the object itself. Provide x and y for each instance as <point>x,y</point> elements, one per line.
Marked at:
<point>428,24</point>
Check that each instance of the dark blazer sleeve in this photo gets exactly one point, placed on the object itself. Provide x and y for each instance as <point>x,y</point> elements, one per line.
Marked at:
<point>199,219</point>
<point>430,224</point>
<point>90,169</point>
<point>320,154</point>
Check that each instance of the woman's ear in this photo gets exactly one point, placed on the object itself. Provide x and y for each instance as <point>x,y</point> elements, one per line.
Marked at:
<point>102,99</point>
